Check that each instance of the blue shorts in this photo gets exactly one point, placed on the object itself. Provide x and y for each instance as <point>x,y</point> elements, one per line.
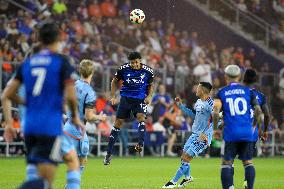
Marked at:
<point>80,143</point>
<point>128,105</point>
<point>194,146</point>
<point>46,149</point>
<point>243,149</point>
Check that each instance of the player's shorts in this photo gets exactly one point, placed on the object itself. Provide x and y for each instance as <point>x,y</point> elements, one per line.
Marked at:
<point>128,105</point>
<point>194,146</point>
<point>44,149</point>
<point>66,145</point>
<point>243,149</point>
<point>80,143</point>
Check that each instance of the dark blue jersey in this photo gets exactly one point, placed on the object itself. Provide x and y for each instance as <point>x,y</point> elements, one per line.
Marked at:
<point>135,82</point>
<point>43,76</point>
<point>262,102</point>
<point>237,102</point>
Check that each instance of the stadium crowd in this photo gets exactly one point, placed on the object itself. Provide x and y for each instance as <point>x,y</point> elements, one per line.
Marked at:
<point>100,30</point>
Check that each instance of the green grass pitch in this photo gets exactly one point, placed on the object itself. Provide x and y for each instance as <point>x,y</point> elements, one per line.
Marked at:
<point>150,173</point>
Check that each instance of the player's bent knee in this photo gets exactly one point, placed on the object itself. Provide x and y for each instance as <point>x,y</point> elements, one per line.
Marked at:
<point>140,117</point>
<point>185,157</point>
<point>71,160</point>
<point>83,161</point>
<point>118,123</point>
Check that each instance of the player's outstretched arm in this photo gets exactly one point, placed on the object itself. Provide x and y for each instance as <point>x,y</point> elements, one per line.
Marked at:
<point>91,116</point>
<point>183,108</point>
<point>113,89</point>
<point>216,110</point>
<point>6,98</point>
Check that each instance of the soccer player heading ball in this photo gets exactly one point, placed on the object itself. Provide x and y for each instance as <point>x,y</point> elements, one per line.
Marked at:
<point>136,92</point>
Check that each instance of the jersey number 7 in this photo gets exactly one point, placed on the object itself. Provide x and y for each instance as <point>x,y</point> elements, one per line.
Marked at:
<point>40,74</point>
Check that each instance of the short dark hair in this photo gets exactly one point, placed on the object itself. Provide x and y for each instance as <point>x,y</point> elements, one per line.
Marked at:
<point>207,85</point>
<point>134,55</point>
<point>250,76</point>
<point>48,33</point>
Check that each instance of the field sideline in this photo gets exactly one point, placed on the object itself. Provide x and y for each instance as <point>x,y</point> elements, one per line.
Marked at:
<point>150,173</point>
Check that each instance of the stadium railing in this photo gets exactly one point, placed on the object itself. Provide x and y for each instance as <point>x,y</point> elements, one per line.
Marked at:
<point>268,148</point>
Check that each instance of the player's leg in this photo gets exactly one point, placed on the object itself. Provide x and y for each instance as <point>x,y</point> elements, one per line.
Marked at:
<point>31,169</point>
<point>83,152</point>
<point>44,152</point>
<point>246,154</point>
<point>230,151</point>
<point>70,158</point>
<point>139,109</point>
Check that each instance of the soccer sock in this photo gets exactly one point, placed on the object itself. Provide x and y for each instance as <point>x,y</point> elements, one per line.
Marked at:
<point>31,172</point>
<point>82,169</point>
<point>141,132</point>
<point>249,175</point>
<point>73,179</point>
<point>227,176</point>
<point>181,171</point>
<point>187,171</point>
<point>38,183</point>
<point>112,139</point>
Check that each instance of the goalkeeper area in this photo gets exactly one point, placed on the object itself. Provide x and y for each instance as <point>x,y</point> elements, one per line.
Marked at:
<point>151,173</point>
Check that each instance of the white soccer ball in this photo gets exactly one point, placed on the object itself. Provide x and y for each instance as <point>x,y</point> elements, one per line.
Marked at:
<point>137,16</point>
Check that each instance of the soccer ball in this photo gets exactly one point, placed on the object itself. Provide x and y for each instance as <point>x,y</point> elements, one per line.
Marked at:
<point>137,16</point>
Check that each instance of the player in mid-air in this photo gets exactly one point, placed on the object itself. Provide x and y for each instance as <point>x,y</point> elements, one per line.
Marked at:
<point>202,130</point>
<point>136,92</point>
<point>236,101</point>
<point>47,78</point>
<point>250,78</point>
<point>86,98</point>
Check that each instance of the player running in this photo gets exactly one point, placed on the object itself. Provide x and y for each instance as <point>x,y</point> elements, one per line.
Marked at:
<point>236,101</point>
<point>86,97</point>
<point>202,130</point>
<point>136,92</point>
<point>250,78</point>
<point>47,77</point>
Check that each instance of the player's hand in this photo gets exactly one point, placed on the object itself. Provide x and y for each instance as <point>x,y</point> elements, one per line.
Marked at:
<point>177,100</point>
<point>147,100</point>
<point>113,101</point>
<point>203,137</point>
<point>102,116</point>
<point>264,136</point>
<point>10,133</point>
<point>76,121</point>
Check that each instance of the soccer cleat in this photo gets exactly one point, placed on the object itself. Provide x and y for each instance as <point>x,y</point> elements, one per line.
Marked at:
<point>185,181</point>
<point>138,148</point>
<point>107,159</point>
<point>170,184</point>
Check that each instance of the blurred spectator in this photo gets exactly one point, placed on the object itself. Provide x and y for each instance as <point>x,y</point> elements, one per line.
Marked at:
<point>215,147</point>
<point>94,9</point>
<point>202,71</point>
<point>59,7</point>
<point>242,6</point>
<point>281,83</point>
<point>108,8</point>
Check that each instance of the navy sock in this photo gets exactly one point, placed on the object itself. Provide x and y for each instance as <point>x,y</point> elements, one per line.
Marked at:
<point>35,184</point>
<point>73,179</point>
<point>183,169</point>
<point>227,176</point>
<point>141,132</point>
<point>249,175</point>
<point>112,139</point>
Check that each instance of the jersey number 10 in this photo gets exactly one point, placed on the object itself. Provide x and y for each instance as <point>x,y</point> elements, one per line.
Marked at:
<point>234,106</point>
<point>40,74</point>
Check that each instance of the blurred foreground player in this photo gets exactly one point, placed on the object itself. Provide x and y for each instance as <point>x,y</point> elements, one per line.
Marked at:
<point>47,77</point>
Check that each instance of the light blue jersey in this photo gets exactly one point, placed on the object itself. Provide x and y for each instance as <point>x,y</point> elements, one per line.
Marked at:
<point>86,98</point>
<point>202,124</point>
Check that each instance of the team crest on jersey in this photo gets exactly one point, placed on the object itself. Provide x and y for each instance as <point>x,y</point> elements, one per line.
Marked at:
<point>135,80</point>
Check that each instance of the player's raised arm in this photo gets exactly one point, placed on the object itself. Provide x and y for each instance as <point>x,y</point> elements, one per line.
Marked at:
<point>184,109</point>
<point>216,110</point>
<point>257,109</point>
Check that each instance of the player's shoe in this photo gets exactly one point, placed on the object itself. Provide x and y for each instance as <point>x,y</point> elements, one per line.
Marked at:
<point>170,184</point>
<point>107,159</point>
<point>185,181</point>
<point>245,184</point>
<point>138,148</point>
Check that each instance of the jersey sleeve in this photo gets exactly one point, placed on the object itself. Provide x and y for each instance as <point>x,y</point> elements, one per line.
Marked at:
<point>118,74</point>
<point>67,71</point>
<point>19,74</point>
<point>254,100</point>
<point>151,78</point>
<point>90,99</point>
